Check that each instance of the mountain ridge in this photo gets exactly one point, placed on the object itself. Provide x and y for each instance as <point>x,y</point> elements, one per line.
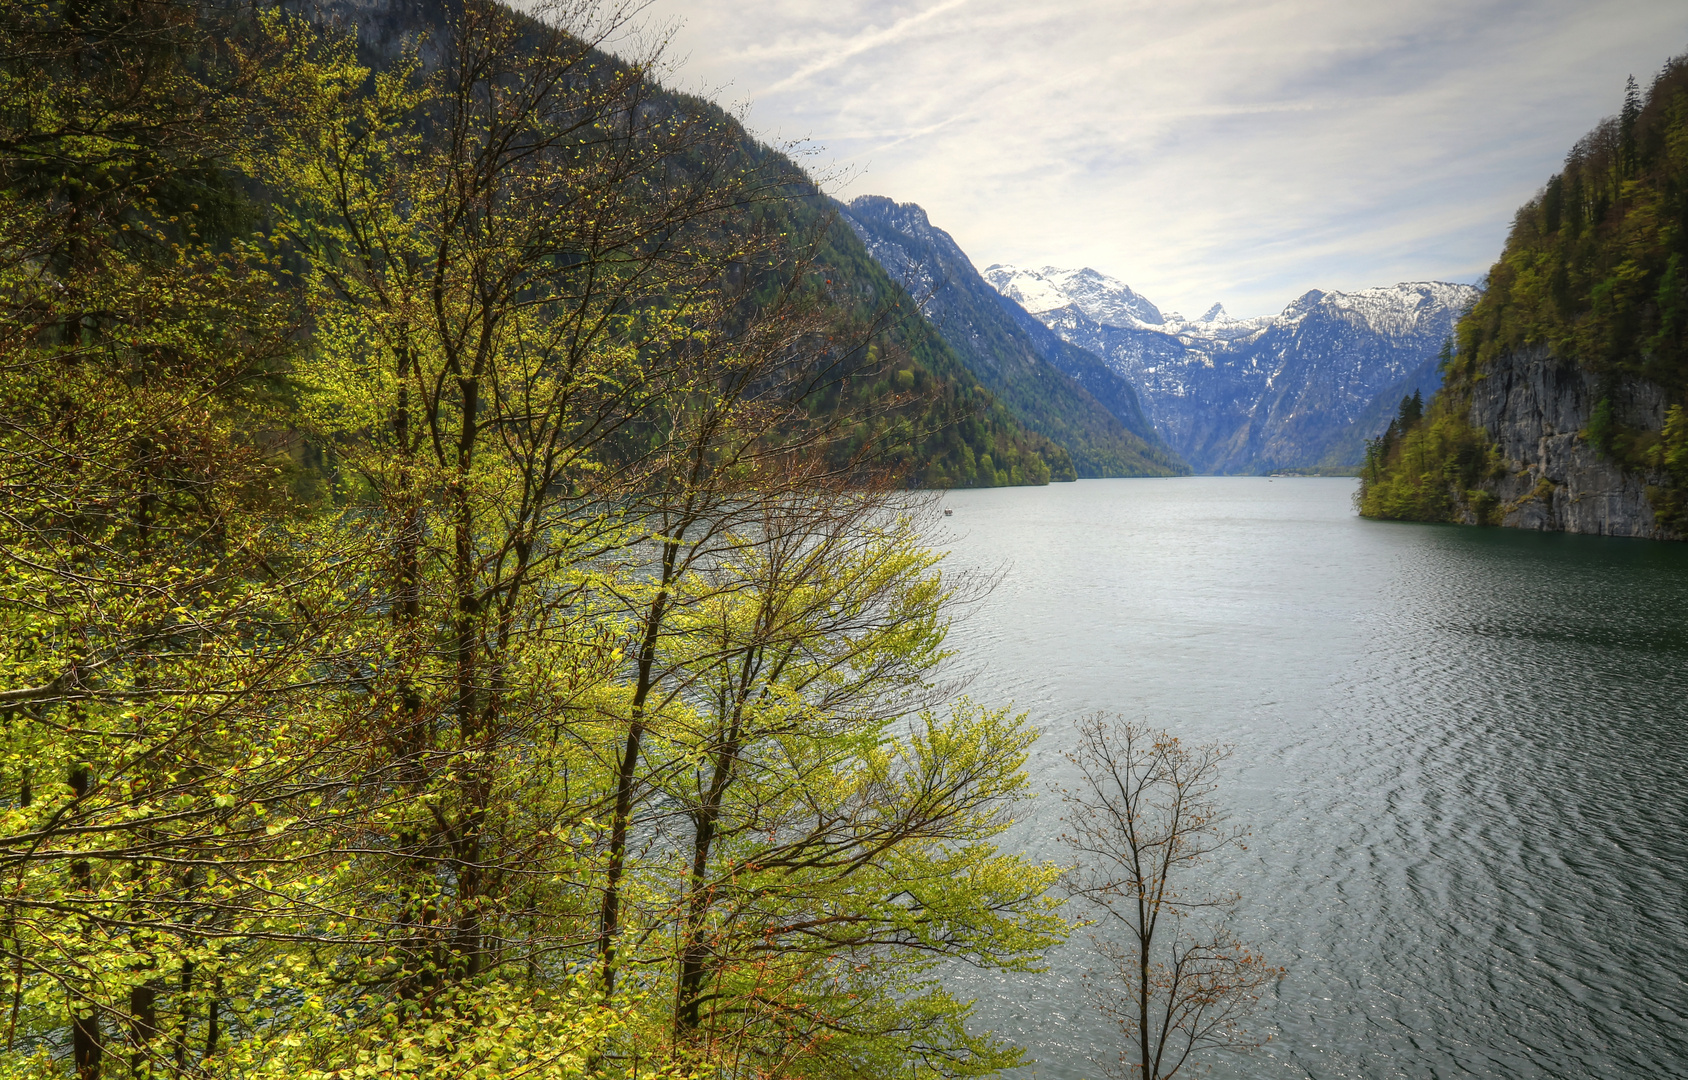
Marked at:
<point>1051,386</point>
<point>950,432</point>
<point>1298,390</point>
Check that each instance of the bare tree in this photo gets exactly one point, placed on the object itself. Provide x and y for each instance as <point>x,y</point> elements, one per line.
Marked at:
<point>1141,820</point>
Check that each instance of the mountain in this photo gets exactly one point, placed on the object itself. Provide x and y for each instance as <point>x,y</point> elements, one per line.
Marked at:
<point>1566,404</point>
<point>1054,388</point>
<point>1302,389</point>
<point>951,431</point>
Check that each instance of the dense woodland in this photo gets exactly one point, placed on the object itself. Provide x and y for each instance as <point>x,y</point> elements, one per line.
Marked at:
<point>464,607</point>
<point>1595,270</point>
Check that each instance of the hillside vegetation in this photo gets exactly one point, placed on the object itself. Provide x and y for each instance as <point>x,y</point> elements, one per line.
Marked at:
<point>1594,272</point>
<point>463,608</point>
<point>1024,372</point>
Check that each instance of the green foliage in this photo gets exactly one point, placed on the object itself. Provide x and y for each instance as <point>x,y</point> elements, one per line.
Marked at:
<point>1669,455</point>
<point>478,626</point>
<point>1592,266</point>
<point>948,422</point>
<point>1592,272</point>
<point>1601,425</point>
<point>1410,412</point>
<point>1429,468</point>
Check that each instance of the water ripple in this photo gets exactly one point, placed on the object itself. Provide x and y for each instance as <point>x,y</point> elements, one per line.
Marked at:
<point>1462,753</point>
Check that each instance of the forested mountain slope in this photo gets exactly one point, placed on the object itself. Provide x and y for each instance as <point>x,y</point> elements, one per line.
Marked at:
<point>1563,407</point>
<point>1041,379</point>
<point>463,611</point>
<point>952,430</point>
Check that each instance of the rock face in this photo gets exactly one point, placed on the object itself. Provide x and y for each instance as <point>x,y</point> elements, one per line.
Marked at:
<point>1052,387</point>
<point>1301,389</point>
<point>1537,409</point>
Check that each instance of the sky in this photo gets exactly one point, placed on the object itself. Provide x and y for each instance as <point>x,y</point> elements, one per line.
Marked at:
<point>1199,150</point>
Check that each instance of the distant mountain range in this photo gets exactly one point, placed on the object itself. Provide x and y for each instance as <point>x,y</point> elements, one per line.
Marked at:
<point>1095,366</point>
<point>1299,390</point>
<point>1053,388</point>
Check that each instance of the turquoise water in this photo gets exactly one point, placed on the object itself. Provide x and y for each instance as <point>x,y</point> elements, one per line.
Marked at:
<point>1462,754</point>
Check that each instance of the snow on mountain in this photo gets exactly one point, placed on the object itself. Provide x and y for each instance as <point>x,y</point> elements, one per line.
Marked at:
<point>1299,389</point>
<point>1107,300</point>
<point>1400,309</point>
<point>1055,389</point>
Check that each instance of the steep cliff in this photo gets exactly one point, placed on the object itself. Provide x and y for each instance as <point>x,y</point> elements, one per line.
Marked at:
<point>1033,375</point>
<point>1537,410</point>
<point>1563,407</point>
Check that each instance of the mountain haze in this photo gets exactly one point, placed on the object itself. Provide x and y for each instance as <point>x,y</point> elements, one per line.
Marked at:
<point>1302,389</point>
<point>1052,387</point>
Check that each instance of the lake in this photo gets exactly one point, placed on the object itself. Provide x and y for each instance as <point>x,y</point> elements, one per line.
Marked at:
<point>1462,755</point>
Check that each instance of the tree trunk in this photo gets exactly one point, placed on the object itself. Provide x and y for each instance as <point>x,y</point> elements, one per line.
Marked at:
<point>86,1050</point>
<point>609,919</point>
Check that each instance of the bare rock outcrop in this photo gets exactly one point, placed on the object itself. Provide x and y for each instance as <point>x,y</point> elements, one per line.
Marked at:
<point>1536,409</point>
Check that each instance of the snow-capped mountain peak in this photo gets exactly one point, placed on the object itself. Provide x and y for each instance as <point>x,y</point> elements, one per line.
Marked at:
<point>1105,299</point>
<point>1398,309</point>
<point>1285,390</point>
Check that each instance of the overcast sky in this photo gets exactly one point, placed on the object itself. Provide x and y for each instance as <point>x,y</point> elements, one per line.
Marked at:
<point>1200,150</point>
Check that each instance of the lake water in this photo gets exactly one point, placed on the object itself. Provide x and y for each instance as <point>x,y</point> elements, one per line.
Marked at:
<point>1462,754</point>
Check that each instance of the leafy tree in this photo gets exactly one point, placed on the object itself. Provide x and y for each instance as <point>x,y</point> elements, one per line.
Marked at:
<point>161,625</point>
<point>1627,120</point>
<point>1411,411</point>
<point>479,624</point>
<point>831,861</point>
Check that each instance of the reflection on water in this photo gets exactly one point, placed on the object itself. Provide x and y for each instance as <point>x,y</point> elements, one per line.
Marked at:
<point>1463,754</point>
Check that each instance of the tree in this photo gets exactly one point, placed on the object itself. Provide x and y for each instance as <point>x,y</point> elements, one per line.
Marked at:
<point>464,594</point>
<point>517,260</point>
<point>1410,412</point>
<point>834,851</point>
<point>1141,821</point>
<point>1629,155</point>
<point>161,620</point>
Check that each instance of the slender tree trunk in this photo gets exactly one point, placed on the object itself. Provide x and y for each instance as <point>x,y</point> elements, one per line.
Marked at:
<point>26,797</point>
<point>213,1019</point>
<point>143,1024</point>
<point>463,837</point>
<point>609,919</point>
<point>411,739</point>
<point>86,1049</point>
<point>694,949</point>
<point>1143,1004</point>
<point>184,1017</point>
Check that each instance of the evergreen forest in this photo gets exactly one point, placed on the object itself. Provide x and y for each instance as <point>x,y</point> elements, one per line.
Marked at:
<point>1594,272</point>
<point>462,580</point>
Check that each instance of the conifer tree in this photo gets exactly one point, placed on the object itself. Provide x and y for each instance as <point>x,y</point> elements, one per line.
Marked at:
<point>1626,127</point>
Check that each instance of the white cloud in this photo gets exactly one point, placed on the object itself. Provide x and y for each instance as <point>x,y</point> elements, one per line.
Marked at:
<point>1236,150</point>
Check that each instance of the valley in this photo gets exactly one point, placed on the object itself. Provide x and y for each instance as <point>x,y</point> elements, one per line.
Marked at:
<point>1300,391</point>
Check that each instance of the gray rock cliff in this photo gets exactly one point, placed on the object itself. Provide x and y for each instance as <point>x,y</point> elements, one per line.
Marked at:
<point>1536,409</point>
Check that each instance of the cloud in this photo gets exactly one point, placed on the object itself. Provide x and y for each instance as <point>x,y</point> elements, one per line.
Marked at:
<point>837,54</point>
<point>1236,150</point>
